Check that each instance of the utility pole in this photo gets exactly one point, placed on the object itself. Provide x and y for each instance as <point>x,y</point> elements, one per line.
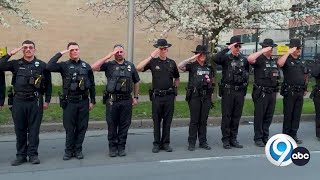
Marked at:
<point>130,29</point>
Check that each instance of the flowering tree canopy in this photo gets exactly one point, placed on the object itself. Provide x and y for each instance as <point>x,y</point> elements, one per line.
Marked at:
<point>207,18</point>
<point>15,8</point>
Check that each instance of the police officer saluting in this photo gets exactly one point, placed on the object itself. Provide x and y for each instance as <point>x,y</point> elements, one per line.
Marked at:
<point>315,94</point>
<point>232,89</point>
<point>163,92</point>
<point>199,96</point>
<point>78,83</point>
<point>30,81</point>
<point>2,89</point>
<point>265,88</point>
<point>121,75</point>
<point>293,88</point>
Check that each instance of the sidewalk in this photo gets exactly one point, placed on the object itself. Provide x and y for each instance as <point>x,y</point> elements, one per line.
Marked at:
<point>148,123</point>
<point>145,98</point>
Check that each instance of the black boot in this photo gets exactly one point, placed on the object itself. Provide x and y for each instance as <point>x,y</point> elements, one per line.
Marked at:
<point>236,144</point>
<point>18,161</point>
<point>34,160</point>
<point>205,146</point>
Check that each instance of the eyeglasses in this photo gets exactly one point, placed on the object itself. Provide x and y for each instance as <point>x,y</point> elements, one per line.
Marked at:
<point>28,47</point>
<point>237,46</point>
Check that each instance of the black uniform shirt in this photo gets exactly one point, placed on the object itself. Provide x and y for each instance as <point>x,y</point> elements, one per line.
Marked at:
<point>111,66</point>
<point>197,73</point>
<point>224,59</point>
<point>63,68</point>
<point>294,72</point>
<point>2,88</point>
<point>25,67</point>
<point>163,72</point>
<point>265,71</point>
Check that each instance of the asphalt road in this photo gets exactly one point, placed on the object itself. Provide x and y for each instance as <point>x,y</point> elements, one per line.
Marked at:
<point>140,163</point>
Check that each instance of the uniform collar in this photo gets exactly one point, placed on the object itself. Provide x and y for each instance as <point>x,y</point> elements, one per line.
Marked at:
<point>75,62</point>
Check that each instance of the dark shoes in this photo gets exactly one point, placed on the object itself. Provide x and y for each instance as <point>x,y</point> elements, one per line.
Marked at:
<point>298,141</point>
<point>68,156</point>
<point>232,143</point>
<point>235,143</point>
<point>122,153</point>
<point>167,148</point>
<point>191,147</point>
<point>79,155</point>
<point>18,161</point>
<point>260,143</point>
<point>34,160</point>
<point>318,138</point>
<point>226,145</point>
<point>155,149</point>
<point>205,146</point>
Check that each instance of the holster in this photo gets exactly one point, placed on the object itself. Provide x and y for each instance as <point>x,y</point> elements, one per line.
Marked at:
<point>10,96</point>
<point>105,97</point>
<point>188,94</point>
<point>151,94</point>
<point>284,90</point>
<point>62,100</point>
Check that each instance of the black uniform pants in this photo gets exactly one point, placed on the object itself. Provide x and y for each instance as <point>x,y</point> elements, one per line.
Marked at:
<point>316,101</point>
<point>199,111</point>
<point>162,111</point>
<point>118,117</point>
<point>232,105</point>
<point>292,108</point>
<point>264,106</point>
<point>75,123</point>
<point>27,117</point>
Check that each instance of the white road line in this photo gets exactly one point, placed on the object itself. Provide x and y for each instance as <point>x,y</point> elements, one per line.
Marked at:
<point>220,157</point>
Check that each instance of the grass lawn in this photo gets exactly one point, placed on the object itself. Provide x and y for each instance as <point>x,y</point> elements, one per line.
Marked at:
<point>143,111</point>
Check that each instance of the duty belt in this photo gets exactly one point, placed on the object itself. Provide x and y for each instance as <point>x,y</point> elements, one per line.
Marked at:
<point>199,91</point>
<point>118,97</point>
<point>296,88</point>
<point>77,97</point>
<point>235,87</point>
<point>26,95</point>
<point>266,89</point>
<point>158,92</point>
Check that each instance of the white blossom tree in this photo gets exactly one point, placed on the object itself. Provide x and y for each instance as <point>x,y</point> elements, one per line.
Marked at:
<point>15,8</point>
<point>208,18</point>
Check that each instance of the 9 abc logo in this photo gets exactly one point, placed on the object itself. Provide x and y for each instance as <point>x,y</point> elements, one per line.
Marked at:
<point>282,150</point>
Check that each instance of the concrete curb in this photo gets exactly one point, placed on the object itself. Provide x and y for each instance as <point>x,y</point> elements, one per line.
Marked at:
<point>148,123</point>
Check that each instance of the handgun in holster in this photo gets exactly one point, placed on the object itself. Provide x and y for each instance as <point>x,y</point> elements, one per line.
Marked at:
<point>188,94</point>
<point>151,94</point>
<point>284,90</point>
<point>62,100</point>
<point>105,97</point>
<point>10,96</point>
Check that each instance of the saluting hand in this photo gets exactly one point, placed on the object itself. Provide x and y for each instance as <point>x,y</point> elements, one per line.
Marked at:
<point>15,50</point>
<point>291,50</point>
<point>195,56</point>
<point>266,49</point>
<point>110,55</point>
<point>232,45</point>
<point>155,53</point>
<point>65,51</point>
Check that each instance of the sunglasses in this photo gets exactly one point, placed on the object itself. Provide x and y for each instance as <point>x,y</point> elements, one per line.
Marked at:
<point>237,46</point>
<point>28,47</point>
